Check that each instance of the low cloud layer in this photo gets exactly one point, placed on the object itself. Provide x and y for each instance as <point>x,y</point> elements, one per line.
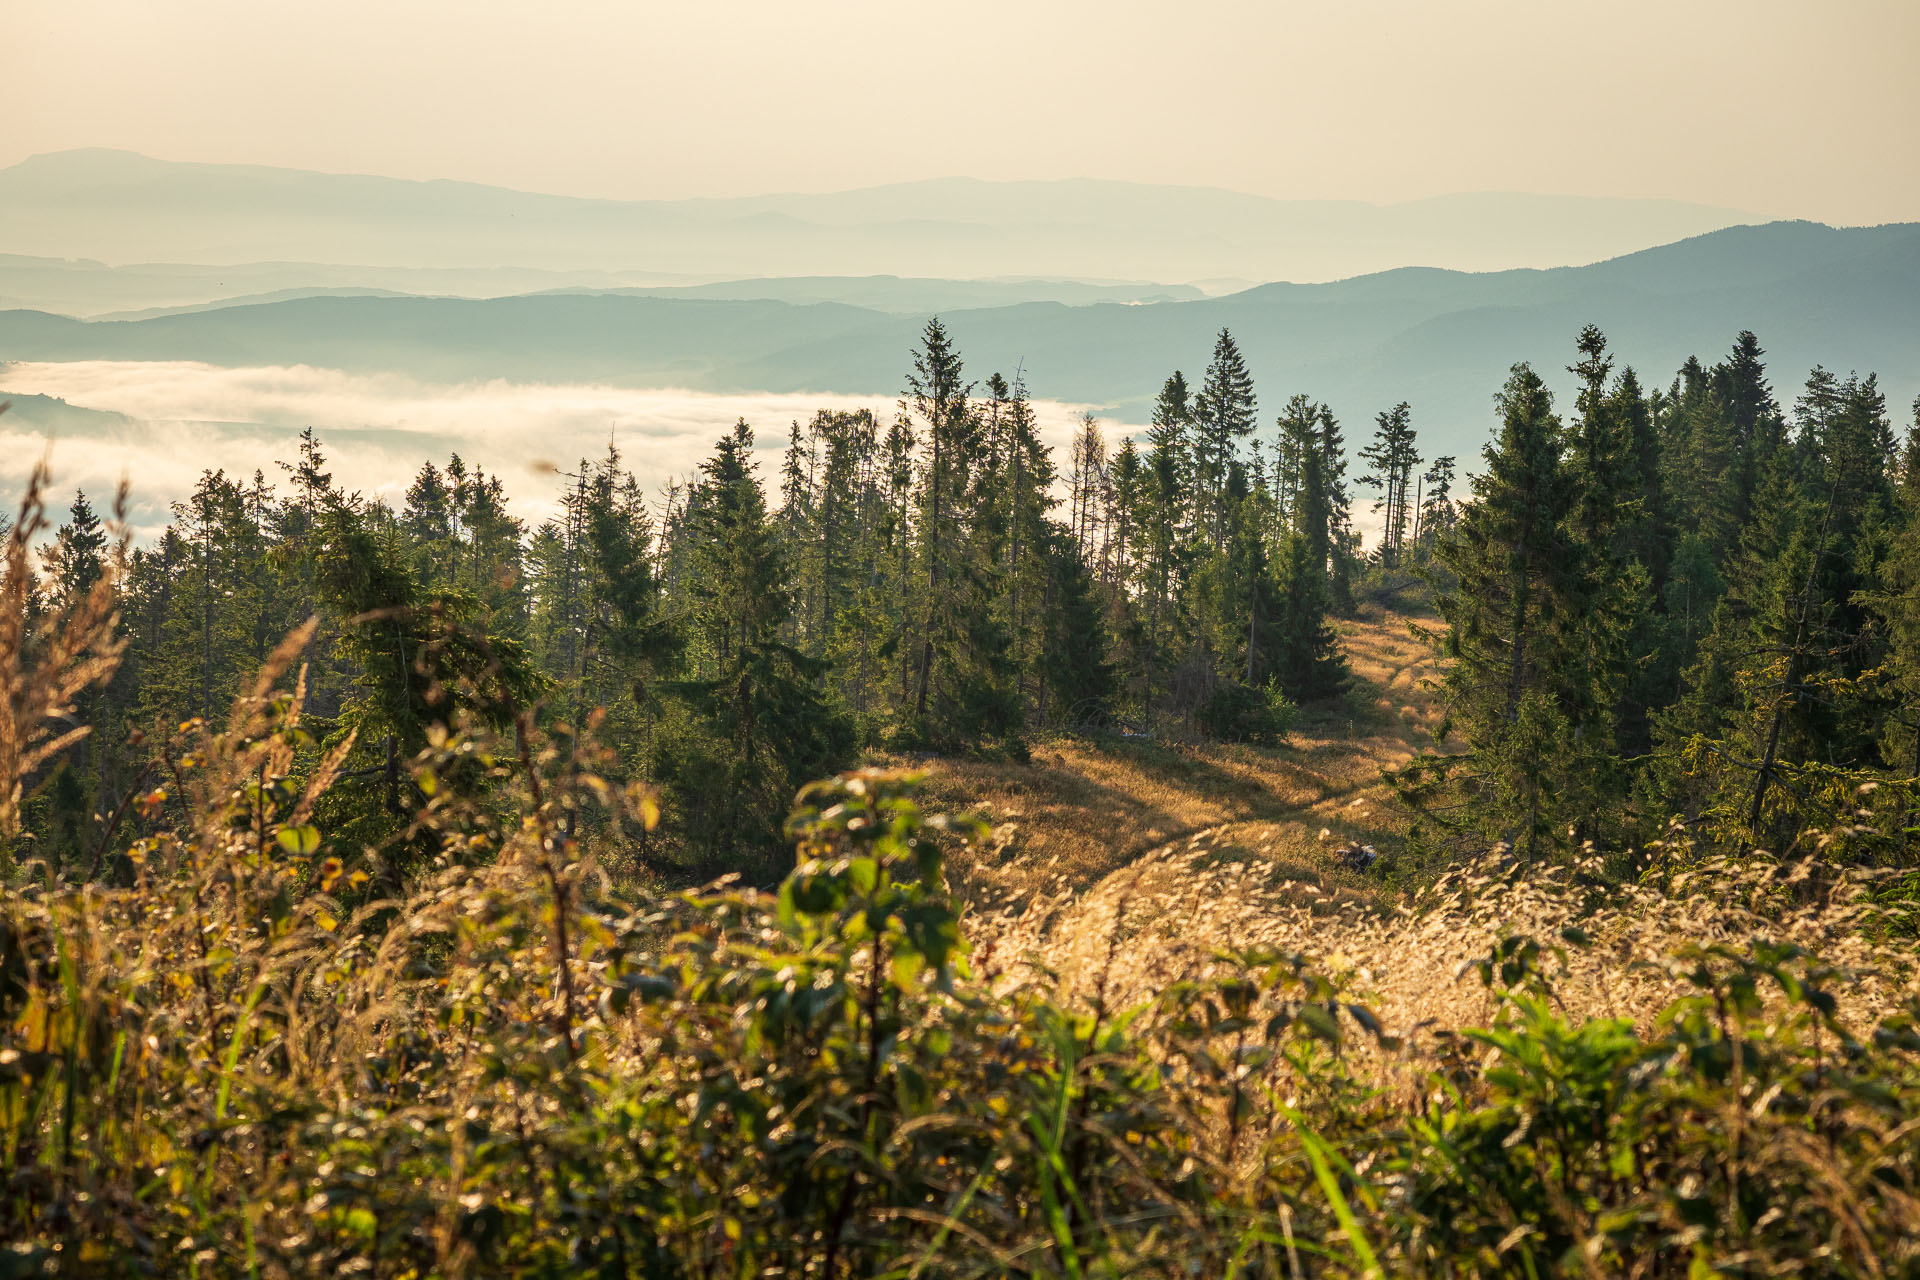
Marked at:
<point>184,418</point>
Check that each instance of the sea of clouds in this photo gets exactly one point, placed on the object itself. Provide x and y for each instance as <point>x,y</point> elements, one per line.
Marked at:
<point>183,418</point>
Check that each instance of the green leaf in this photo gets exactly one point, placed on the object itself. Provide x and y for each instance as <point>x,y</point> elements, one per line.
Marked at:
<point>299,841</point>
<point>906,969</point>
<point>1320,1023</point>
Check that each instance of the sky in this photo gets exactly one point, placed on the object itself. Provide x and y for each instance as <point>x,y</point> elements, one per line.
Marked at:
<point>1788,108</point>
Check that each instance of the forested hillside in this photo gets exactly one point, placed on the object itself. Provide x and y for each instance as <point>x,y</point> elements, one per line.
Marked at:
<point>1683,600</point>
<point>920,585</point>
<point>1847,297</point>
<point>348,847</point>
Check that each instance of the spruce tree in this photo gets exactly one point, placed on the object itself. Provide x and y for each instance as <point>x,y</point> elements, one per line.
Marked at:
<point>843,439</point>
<point>628,643</point>
<point>1342,542</point>
<point>940,399</point>
<point>421,658</point>
<point>1223,415</point>
<point>1078,675</point>
<point>1613,621</point>
<point>77,557</point>
<point>1304,654</point>
<point>1436,503</point>
<point>1392,458</point>
<point>1507,621</point>
<point>1753,417</point>
<point>1026,479</point>
<point>1164,523</point>
<point>1299,437</point>
<point>428,519</point>
<point>762,725</point>
<point>1644,523</point>
<point>1598,463</point>
<point>75,564</point>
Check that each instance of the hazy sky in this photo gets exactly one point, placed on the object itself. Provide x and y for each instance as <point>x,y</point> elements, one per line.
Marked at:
<point>1785,107</point>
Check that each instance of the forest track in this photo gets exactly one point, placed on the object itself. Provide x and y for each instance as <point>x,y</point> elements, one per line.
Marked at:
<point>1079,812</point>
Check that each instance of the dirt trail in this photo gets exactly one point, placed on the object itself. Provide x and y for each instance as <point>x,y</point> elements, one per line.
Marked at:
<point>1077,814</point>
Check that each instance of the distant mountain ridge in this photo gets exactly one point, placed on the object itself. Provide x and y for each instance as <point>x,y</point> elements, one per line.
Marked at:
<point>94,291</point>
<point>53,416</point>
<point>1443,340</point>
<point>121,207</point>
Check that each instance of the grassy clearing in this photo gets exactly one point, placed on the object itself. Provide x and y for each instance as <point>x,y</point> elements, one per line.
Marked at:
<point>1121,869</point>
<point>1082,811</point>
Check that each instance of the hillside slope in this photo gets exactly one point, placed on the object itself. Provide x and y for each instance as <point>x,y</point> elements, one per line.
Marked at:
<point>1081,813</point>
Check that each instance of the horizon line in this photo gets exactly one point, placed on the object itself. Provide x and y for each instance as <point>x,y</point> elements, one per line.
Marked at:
<point>921,181</point>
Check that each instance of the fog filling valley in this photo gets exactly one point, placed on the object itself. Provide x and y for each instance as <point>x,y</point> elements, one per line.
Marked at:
<point>182,418</point>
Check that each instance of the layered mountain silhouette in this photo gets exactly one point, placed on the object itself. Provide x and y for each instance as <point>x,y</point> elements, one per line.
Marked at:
<point>119,207</point>
<point>91,289</point>
<point>1443,340</point>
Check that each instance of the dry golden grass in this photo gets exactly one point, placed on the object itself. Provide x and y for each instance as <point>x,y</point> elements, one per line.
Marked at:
<point>1167,918</point>
<point>1122,869</point>
<point>44,669</point>
<point>1079,813</point>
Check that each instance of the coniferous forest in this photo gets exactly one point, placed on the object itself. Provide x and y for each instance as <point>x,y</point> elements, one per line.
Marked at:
<point>351,851</point>
<point>938,582</point>
<point>1688,601</point>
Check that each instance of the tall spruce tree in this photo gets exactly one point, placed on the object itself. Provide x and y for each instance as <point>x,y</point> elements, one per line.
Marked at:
<point>941,400</point>
<point>1165,523</point>
<point>1026,478</point>
<point>1436,515</point>
<point>1078,675</point>
<point>1223,415</point>
<point>1391,457</point>
<point>1507,627</point>
<point>78,555</point>
<point>1343,543</point>
<point>761,725</point>
<point>1304,653</point>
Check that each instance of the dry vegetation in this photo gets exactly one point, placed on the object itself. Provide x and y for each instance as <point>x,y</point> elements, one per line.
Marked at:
<point>225,1058</point>
<point>1123,868</point>
<point>1081,811</point>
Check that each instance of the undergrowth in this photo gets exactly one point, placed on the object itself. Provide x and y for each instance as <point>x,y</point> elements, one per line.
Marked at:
<point>223,1055</point>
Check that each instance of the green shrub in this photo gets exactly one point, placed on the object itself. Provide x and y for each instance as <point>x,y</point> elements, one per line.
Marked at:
<point>1236,712</point>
